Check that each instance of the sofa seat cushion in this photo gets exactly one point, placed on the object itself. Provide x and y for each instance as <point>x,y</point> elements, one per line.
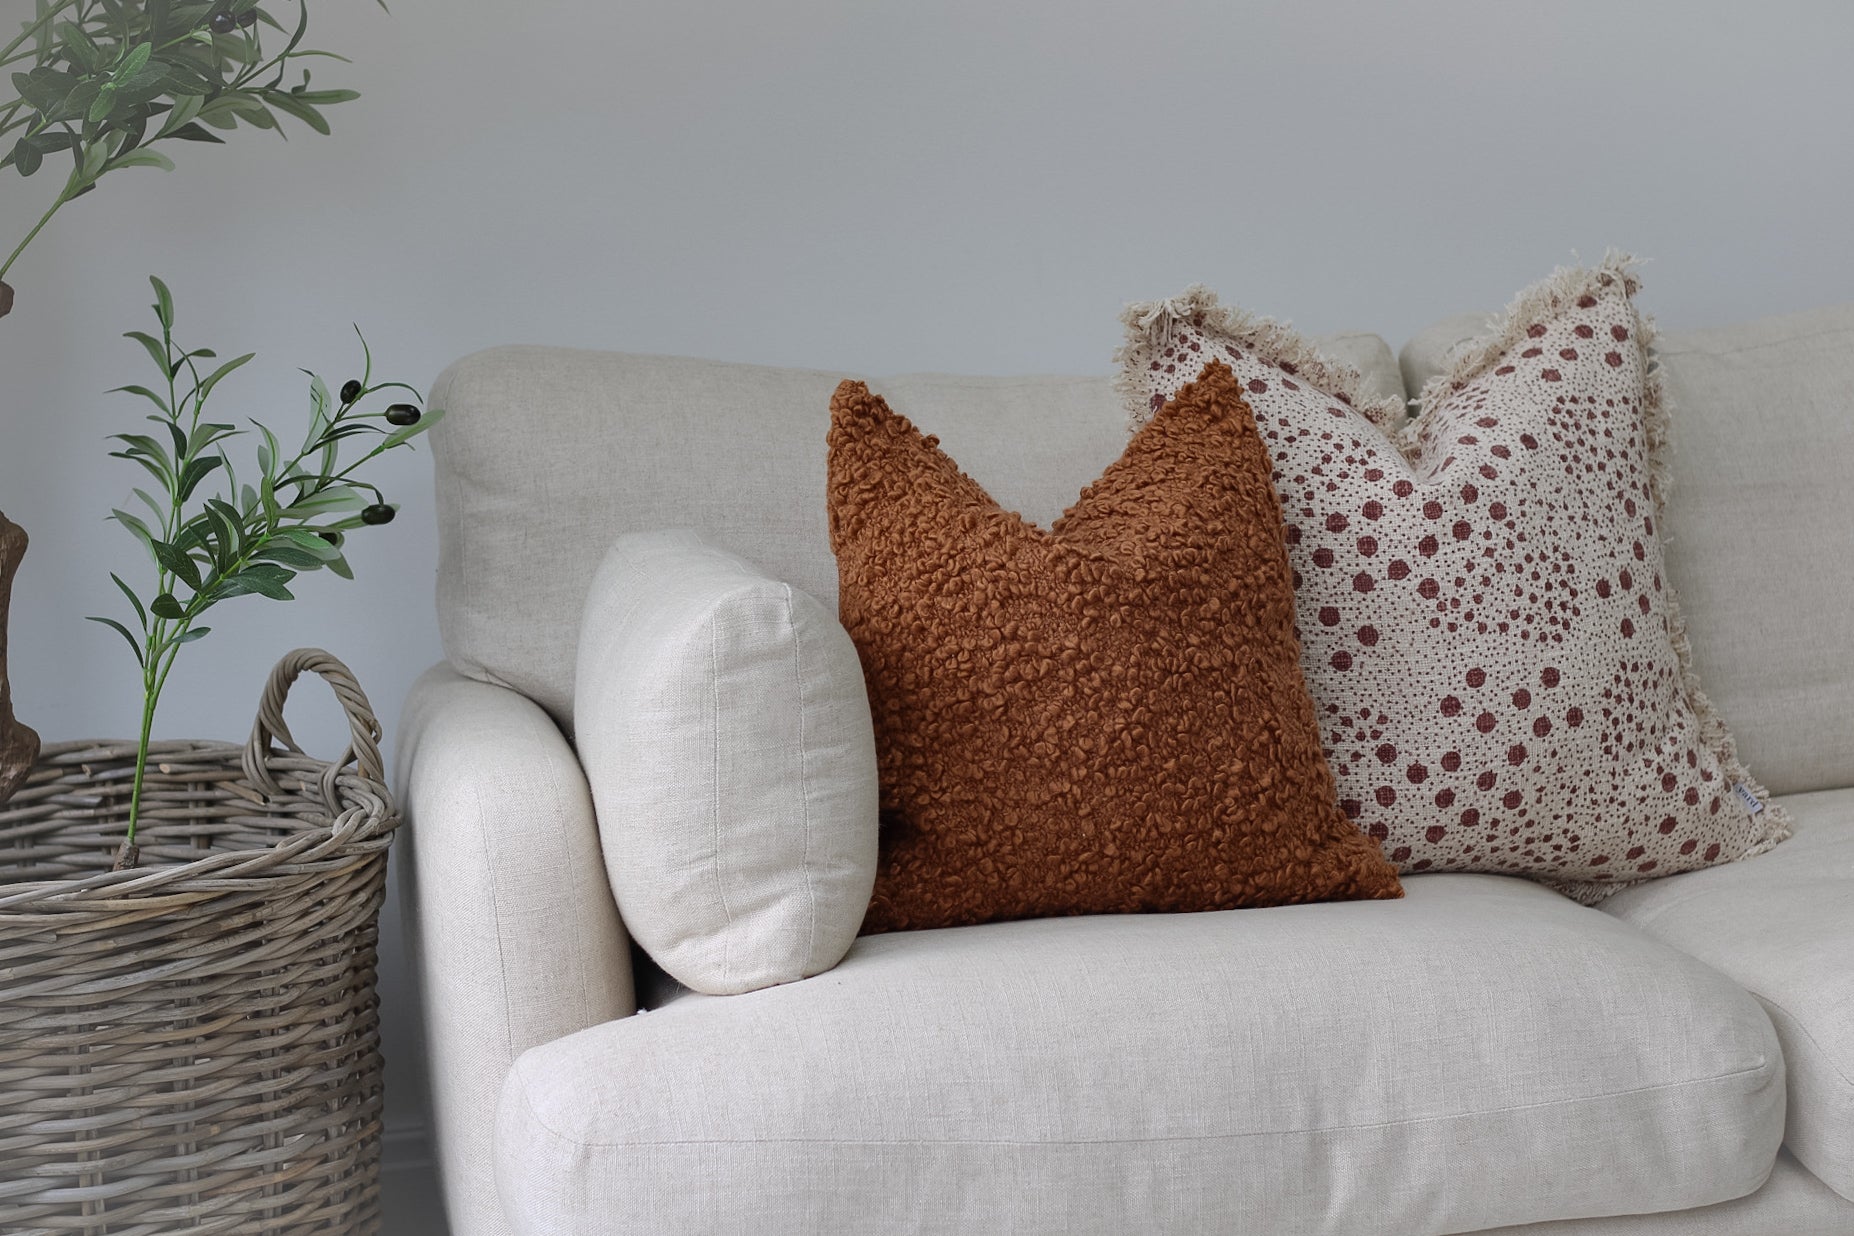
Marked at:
<point>1481,1053</point>
<point>1782,925</point>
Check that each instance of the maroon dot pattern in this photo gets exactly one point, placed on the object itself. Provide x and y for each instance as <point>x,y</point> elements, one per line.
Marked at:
<point>1484,621</point>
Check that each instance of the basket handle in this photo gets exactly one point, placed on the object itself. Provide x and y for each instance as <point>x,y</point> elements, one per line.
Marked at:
<point>363,727</point>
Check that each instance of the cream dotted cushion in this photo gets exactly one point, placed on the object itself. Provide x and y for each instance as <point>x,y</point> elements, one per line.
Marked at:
<point>1495,652</point>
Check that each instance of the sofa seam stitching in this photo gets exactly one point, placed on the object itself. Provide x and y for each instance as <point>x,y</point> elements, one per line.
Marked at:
<point>714,731</point>
<point>804,782</point>
<point>495,901</point>
<point>1827,1056</point>
<point>1763,1066</point>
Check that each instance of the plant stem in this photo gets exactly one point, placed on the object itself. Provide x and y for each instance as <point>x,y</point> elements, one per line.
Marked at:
<point>159,642</point>
<point>33,234</point>
<point>32,29</point>
<point>163,649</point>
<point>151,694</point>
<point>239,81</point>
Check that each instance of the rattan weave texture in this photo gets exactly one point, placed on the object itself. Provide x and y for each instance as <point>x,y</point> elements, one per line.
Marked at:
<point>193,1045</point>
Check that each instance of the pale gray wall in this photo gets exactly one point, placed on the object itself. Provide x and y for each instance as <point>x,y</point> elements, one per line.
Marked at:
<point>889,187</point>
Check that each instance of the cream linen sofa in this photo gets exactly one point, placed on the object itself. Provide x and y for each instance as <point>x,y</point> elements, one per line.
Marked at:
<point>1481,1055</point>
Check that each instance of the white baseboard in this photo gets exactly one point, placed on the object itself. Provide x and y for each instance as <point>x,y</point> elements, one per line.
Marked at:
<point>409,1196</point>
<point>406,1147</point>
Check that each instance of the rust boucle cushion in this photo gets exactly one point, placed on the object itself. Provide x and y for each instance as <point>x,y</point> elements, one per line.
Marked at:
<point>1107,716</point>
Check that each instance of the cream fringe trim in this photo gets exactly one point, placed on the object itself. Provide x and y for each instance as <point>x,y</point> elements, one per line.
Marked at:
<point>1150,324</point>
<point>1544,300</point>
<point>1547,299</point>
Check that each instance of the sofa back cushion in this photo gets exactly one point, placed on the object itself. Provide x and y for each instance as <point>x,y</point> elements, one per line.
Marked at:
<point>1760,526</point>
<point>546,455</point>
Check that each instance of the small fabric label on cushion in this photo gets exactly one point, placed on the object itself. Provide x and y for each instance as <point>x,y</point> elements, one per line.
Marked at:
<point>1746,797</point>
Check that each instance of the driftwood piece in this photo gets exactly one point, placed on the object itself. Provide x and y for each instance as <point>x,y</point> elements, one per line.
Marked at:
<point>19,746</point>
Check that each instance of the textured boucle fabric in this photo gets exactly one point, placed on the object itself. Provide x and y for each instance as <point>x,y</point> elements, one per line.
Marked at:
<point>1487,624</point>
<point>1107,716</point>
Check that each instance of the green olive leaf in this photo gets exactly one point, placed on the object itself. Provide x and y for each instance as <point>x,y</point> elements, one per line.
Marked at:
<point>134,61</point>
<point>156,349</point>
<point>135,645</point>
<point>142,157</point>
<point>26,156</point>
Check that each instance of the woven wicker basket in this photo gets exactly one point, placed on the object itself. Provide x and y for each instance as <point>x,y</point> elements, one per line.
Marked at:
<point>193,1045</point>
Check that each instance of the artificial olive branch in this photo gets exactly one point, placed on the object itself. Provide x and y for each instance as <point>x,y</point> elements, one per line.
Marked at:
<point>249,539</point>
<point>111,78</point>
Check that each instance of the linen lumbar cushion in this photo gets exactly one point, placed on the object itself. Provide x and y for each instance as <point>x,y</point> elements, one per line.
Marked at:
<point>1486,623</point>
<point>722,723</point>
<point>1106,716</point>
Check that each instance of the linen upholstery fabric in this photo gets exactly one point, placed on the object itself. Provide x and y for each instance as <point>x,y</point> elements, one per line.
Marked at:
<point>1380,379</point>
<point>1480,1053</point>
<point>508,919</point>
<point>1429,350</point>
<point>1107,716</point>
<point>1486,622</point>
<point>721,720</point>
<point>1760,516</point>
<point>546,454</point>
<point>1791,1203</point>
<point>1783,928</point>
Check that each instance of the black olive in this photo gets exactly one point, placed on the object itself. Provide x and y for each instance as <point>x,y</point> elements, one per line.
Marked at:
<point>351,390</point>
<point>378,513</point>
<point>402,414</point>
<point>223,23</point>
<point>247,18</point>
<point>333,538</point>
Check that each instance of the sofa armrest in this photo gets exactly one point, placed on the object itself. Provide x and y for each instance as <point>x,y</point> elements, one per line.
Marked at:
<point>512,930</point>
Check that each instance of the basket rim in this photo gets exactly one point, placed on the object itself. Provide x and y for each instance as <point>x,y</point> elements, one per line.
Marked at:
<point>322,845</point>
